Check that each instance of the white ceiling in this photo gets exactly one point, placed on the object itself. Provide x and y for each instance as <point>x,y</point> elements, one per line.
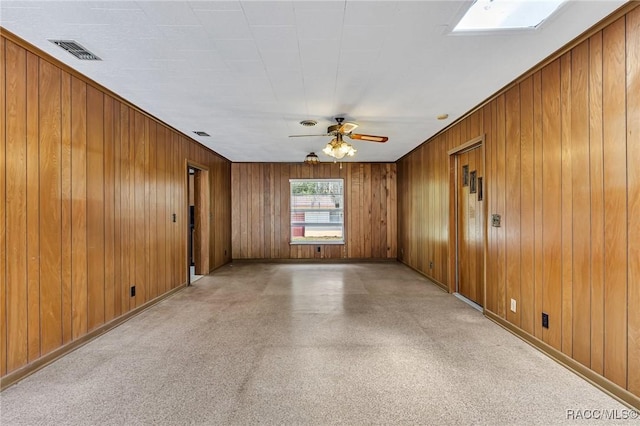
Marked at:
<point>247,72</point>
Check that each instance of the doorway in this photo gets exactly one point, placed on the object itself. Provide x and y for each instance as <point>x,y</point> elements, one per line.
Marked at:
<point>468,227</point>
<point>198,225</point>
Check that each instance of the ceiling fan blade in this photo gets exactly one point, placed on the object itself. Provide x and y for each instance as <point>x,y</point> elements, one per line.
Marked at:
<point>347,127</point>
<point>369,138</point>
<point>304,136</point>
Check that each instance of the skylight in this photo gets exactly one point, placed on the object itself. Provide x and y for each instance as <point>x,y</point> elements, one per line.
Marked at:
<point>487,15</point>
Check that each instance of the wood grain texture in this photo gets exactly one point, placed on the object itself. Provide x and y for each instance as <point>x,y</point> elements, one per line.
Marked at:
<point>512,212</point>
<point>33,207</point>
<point>552,204</point>
<point>117,220</point>
<point>633,197</point>
<point>538,201</point>
<point>79,263</point>
<point>596,150</point>
<point>527,209</point>
<point>138,222</point>
<point>577,195</point>
<point>152,221</point>
<point>615,203</point>
<point>3,239</point>
<point>499,175</point>
<point>489,302</point>
<point>86,170</point>
<point>67,202</point>
<point>95,208</point>
<point>261,204</point>
<point>567,205</point>
<point>581,214</point>
<point>16,205</point>
<point>50,208</point>
<point>109,210</point>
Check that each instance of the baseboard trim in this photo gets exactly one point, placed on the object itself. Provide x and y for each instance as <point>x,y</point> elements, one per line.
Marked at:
<point>23,372</point>
<point>319,260</point>
<point>624,396</point>
<point>433,280</point>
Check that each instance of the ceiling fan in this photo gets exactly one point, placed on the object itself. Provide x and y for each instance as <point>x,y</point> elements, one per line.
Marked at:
<point>337,147</point>
<point>346,128</point>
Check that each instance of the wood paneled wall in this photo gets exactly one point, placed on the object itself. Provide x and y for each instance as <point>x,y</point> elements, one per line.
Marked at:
<point>562,155</point>
<point>88,187</point>
<point>261,220</point>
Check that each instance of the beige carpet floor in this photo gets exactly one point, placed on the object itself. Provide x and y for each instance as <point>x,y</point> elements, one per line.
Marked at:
<point>369,343</point>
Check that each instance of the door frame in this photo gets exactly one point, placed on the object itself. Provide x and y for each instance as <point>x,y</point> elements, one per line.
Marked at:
<point>202,210</point>
<point>453,214</point>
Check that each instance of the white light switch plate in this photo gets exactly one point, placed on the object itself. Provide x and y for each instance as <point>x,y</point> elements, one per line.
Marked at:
<point>513,305</point>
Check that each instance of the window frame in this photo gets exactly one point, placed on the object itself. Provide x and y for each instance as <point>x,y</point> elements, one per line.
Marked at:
<point>342,209</point>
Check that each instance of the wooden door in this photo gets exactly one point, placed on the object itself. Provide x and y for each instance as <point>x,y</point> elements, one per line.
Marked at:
<point>470,222</point>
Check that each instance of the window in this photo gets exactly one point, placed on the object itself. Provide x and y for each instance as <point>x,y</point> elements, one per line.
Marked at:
<point>489,15</point>
<point>317,211</point>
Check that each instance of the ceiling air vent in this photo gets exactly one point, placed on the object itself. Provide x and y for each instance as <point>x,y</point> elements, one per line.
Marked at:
<point>76,50</point>
<point>201,133</point>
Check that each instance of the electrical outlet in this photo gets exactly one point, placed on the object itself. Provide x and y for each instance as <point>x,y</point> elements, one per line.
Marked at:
<point>318,249</point>
<point>174,217</point>
<point>545,320</point>
<point>133,290</point>
<point>430,265</point>
<point>513,305</point>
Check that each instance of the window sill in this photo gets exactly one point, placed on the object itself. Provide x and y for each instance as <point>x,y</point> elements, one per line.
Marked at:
<point>316,243</point>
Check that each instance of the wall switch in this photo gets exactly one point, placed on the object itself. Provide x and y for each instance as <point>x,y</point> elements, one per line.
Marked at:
<point>174,217</point>
<point>133,290</point>
<point>545,320</point>
<point>430,265</point>
<point>318,249</point>
<point>496,220</point>
<point>513,305</point>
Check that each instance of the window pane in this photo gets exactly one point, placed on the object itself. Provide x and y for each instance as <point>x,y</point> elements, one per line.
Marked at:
<point>317,214</point>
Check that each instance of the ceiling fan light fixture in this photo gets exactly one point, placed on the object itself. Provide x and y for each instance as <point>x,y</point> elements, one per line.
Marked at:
<point>338,148</point>
<point>311,159</point>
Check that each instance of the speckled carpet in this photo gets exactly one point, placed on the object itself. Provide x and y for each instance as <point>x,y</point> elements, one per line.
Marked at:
<point>305,344</point>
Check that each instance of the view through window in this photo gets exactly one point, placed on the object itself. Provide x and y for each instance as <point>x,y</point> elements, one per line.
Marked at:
<point>317,211</point>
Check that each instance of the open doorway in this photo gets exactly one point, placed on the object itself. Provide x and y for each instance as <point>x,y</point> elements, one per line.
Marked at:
<point>467,221</point>
<point>198,225</point>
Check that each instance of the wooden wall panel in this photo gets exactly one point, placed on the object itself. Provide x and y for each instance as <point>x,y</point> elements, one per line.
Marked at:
<point>138,266</point>
<point>499,176</point>
<point>109,211</point>
<point>561,153</point>
<point>117,220</point>
<point>95,182</point>
<point>596,149</point>
<point>79,264</point>
<point>633,197</point>
<point>538,190</point>
<point>154,240</point>
<point>581,213</point>
<point>527,224</point>
<point>260,196</point>
<point>33,208</point>
<point>3,240</point>
<point>615,202</point>
<point>16,188</point>
<point>95,208</point>
<point>552,204</point>
<point>50,208</point>
<point>65,273</point>
<point>566,206</point>
<point>513,197</point>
